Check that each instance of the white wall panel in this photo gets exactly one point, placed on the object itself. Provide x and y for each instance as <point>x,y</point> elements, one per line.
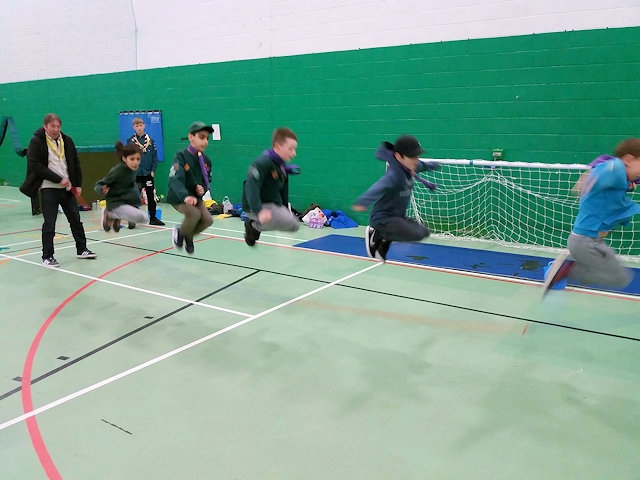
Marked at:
<point>51,39</point>
<point>97,37</point>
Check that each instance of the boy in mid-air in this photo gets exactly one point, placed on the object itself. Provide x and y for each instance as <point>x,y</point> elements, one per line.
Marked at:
<point>604,205</point>
<point>188,182</point>
<point>265,191</point>
<point>391,194</point>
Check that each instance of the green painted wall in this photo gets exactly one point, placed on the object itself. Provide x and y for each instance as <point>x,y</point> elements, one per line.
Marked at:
<point>561,97</point>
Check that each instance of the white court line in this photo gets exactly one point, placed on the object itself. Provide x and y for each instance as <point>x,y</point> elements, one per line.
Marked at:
<point>155,360</point>
<point>130,287</point>
<point>93,242</point>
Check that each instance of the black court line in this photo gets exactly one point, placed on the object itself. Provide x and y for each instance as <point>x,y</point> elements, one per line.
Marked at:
<point>433,302</point>
<point>124,336</point>
<point>299,277</point>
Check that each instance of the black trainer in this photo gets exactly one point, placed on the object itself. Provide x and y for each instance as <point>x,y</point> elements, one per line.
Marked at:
<point>116,225</point>
<point>369,242</point>
<point>106,221</point>
<point>155,221</point>
<point>188,245</point>
<point>381,250</point>
<point>250,233</point>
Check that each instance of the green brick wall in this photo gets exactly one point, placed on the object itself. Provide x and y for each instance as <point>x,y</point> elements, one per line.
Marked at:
<point>560,97</point>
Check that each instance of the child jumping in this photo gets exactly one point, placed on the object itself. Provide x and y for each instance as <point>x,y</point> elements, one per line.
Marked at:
<point>604,205</point>
<point>265,191</point>
<point>391,194</point>
<point>119,189</point>
<point>188,182</point>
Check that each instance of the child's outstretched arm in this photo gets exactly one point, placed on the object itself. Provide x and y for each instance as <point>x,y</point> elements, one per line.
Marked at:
<point>373,194</point>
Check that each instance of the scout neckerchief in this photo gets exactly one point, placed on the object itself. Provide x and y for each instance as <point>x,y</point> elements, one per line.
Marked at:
<point>205,174</point>
<point>271,153</point>
<point>54,146</point>
<point>147,141</point>
<point>426,183</point>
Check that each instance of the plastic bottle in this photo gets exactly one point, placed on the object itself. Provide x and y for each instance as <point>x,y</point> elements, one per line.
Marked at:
<point>226,205</point>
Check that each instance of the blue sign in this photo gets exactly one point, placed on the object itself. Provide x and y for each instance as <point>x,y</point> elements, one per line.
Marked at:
<point>153,127</point>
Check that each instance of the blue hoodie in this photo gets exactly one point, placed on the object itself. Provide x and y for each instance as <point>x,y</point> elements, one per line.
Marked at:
<point>392,192</point>
<point>604,204</point>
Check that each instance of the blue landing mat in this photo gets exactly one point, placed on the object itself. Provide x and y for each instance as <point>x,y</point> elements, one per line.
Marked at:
<point>457,258</point>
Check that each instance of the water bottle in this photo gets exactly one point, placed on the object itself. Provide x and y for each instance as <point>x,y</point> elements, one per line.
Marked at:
<point>226,205</point>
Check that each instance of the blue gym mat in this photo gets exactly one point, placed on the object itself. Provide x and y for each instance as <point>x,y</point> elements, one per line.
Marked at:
<point>457,258</point>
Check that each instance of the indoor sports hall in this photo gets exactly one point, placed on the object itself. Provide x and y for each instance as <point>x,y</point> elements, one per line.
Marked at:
<point>303,358</point>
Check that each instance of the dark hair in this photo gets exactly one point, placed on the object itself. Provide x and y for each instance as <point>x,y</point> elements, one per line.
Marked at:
<point>51,117</point>
<point>126,150</point>
<point>630,146</point>
<point>281,134</point>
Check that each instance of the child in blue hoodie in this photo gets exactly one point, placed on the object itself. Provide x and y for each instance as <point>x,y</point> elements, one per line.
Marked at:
<point>604,205</point>
<point>391,194</point>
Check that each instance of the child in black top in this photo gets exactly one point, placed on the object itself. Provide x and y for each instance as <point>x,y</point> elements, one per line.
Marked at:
<point>147,168</point>
<point>118,187</point>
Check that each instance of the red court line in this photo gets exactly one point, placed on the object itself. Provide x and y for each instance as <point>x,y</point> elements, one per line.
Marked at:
<point>27,399</point>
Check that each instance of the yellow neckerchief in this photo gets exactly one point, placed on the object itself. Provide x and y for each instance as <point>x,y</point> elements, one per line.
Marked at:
<point>52,143</point>
<point>147,141</point>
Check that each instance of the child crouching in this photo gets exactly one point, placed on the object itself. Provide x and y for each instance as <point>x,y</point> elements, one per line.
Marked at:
<point>120,191</point>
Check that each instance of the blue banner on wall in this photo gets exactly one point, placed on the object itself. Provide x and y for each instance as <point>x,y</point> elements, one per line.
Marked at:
<point>153,127</point>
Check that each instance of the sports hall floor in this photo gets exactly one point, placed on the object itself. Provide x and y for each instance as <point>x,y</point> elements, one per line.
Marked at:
<point>280,362</point>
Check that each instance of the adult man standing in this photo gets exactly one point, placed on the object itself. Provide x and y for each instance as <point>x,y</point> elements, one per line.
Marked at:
<point>147,168</point>
<point>53,167</point>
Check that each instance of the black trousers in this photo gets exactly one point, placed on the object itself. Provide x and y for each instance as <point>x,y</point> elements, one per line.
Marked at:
<point>146,182</point>
<point>400,229</point>
<point>50,198</point>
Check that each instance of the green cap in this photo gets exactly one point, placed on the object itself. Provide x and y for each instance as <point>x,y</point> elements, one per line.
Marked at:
<point>199,126</point>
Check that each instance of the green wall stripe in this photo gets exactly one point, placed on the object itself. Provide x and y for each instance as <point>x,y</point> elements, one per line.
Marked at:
<point>559,97</point>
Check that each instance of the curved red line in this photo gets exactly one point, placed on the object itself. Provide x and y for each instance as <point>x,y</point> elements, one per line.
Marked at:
<point>27,399</point>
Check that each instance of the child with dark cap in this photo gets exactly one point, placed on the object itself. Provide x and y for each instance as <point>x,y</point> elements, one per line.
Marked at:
<point>391,194</point>
<point>188,182</point>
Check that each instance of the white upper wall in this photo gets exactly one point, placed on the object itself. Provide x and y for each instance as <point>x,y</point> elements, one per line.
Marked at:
<point>44,39</point>
<point>52,39</point>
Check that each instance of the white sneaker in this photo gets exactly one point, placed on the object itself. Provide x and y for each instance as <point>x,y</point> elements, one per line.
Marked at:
<point>176,238</point>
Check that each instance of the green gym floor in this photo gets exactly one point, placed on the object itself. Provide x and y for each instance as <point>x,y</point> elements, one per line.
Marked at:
<point>277,362</point>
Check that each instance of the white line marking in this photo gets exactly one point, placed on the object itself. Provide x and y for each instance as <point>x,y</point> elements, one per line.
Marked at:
<point>155,360</point>
<point>130,287</point>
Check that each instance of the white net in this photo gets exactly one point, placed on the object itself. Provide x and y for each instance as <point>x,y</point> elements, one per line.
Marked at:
<point>515,203</point>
